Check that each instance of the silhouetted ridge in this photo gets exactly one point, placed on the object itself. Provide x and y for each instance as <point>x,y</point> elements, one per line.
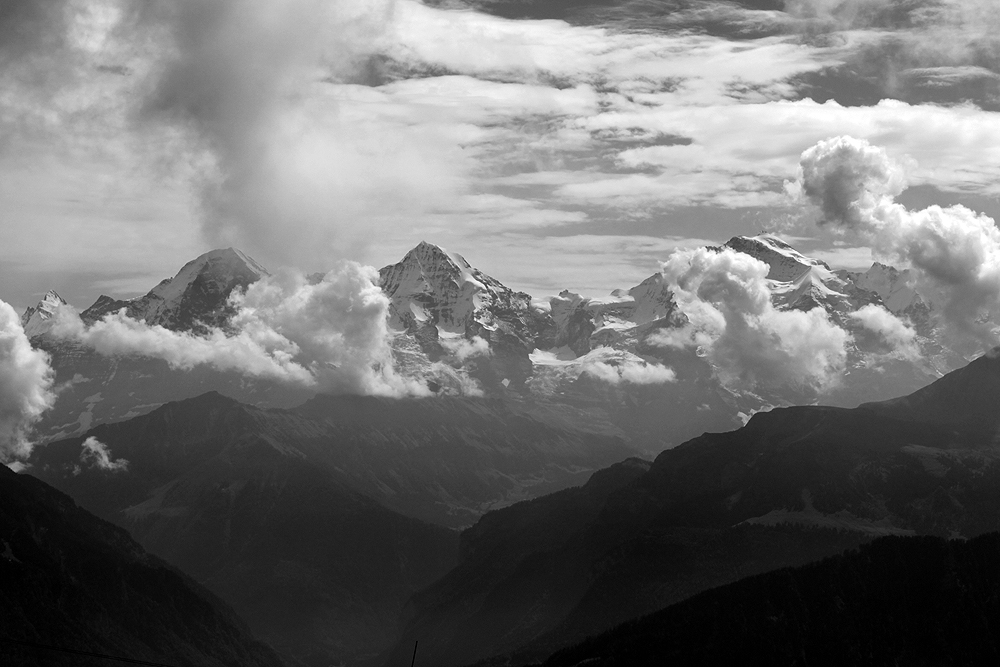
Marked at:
<point>896,601</point>
<point>71,580</point>
<point>793,485</point>
<point>967,398</point>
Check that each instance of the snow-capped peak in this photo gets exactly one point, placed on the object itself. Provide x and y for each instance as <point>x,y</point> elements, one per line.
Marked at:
<point>199,292</point>
<point>891,284</point>
<point>36,320</point>
<point>219,266</point>
<point>433,286</point>
<point>786,263</point>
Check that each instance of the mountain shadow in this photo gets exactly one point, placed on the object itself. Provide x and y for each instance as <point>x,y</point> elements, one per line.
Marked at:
<point>895,601</point>
<point>318,569</point>
<point>793,485</point>
<point>73,581</point>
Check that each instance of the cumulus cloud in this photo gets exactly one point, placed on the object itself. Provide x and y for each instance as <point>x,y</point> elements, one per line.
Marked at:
<point>847,179</point>
<point>726,298</point>
<point>954,252</point>
<point>97,455</point>
<point>331,335</point>
<point>25,387</point>
<point>338,325</point>
<point>899,335</point>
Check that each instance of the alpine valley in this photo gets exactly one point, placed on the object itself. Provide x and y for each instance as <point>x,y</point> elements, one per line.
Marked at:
<point>566,465</point>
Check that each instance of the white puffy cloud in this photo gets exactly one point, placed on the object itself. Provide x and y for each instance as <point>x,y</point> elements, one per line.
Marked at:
<point>97,455</point>
<point>954,252</point>
<point>25,387</point>
<point>900,336</point>
<point>331,335</point>
<point>848,178</point>
<point>726,298</point>
<point>256,353</point>
<point>338,327</point>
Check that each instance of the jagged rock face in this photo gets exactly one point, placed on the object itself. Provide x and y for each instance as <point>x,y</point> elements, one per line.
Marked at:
<point>893,289</point>
<point>197,297</point>
<point>798,282</point>
<point>37,320</point>
<point>434,289</point>
<point>574,322</point>
<point>891,284</point>
<point>785,264</point>
<point>801,283</point>
<point>452,322</point>
<point>433,286</point>
<point>583,324</point>
<point>95,388</point>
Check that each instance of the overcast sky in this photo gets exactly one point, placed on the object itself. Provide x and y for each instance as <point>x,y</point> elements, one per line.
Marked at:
<point>554,145</point>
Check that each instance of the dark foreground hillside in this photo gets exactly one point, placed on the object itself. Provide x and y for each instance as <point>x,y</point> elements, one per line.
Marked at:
<point>71,580</point>
<point>895,601</point>
<point>792,486</point>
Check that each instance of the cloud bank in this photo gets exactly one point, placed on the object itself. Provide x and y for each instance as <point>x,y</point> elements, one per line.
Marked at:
<point>25,387</point>
<point>954,252</point>
<point>726,298</point>
<point>331,335</point>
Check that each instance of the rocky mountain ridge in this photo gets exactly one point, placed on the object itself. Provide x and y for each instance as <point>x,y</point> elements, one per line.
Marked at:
<point>317,523</point>
<point>196,298</point>
<point>566,349</point>
<point>37,320</point>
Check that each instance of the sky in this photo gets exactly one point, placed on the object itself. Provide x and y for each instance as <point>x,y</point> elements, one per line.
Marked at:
<point>556,145</point>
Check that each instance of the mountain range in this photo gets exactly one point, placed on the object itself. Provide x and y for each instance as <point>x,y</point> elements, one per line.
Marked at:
<point>564,351</point>
<point>330,523</point>
<point>793,485</point>
<point>314,522</point>
<point>285,513</point>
